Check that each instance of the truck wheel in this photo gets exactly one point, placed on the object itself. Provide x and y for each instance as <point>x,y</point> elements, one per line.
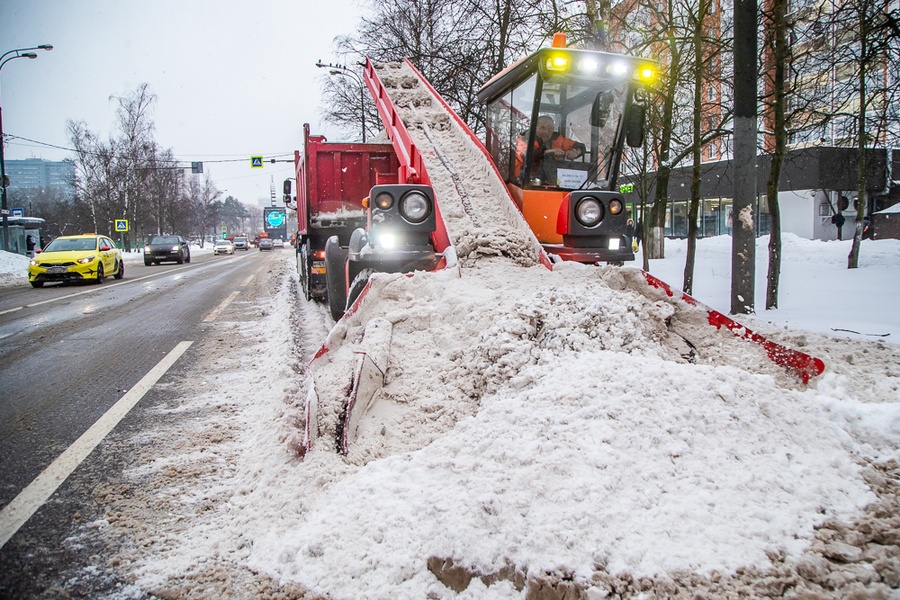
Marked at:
<point>335,261</point>
<point>356,288</point>
<point>303,264</point>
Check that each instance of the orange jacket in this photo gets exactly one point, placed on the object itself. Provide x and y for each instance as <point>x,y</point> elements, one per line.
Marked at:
<point>557,142</point>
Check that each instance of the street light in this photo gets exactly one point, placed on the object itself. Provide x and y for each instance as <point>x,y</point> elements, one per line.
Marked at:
<point>339,69</point>
<point>5,58</point>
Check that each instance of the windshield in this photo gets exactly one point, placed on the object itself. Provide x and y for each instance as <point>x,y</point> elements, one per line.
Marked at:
<point>571,142</point>
<point>164,239</point>
<point>67,245</point>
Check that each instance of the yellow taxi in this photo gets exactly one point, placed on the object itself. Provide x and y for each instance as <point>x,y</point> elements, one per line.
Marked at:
<point>86,257</point>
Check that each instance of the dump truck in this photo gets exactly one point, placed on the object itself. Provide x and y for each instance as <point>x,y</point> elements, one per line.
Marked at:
<point>361,208</point>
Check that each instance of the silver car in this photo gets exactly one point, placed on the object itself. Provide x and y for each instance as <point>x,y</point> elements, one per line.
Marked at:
<point>223,247</point>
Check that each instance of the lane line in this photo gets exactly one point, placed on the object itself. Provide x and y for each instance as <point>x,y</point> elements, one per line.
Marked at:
<point>16,513</point>
<point>218,310</point>
<point>247,281</point>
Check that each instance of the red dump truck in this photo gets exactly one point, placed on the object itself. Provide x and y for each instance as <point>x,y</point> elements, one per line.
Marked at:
<point>342,237</point>
<point>332,180</point>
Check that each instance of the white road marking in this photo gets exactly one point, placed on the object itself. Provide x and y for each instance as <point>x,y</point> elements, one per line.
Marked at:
<point>16,513</point>
<point>218,310</point>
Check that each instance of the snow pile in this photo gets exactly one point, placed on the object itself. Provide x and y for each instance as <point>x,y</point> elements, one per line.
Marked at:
<point>531,427</point>
<point>13,269</point>
<point>545,424</point>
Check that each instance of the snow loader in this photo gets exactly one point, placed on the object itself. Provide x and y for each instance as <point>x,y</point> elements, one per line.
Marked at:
<point>564,208</point>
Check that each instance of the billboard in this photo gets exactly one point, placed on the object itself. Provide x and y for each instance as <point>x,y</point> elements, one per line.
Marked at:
<point>275,222</point>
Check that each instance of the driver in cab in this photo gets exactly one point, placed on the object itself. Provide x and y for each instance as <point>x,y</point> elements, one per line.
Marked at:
<point>553,144</point>
<point>548,143</point>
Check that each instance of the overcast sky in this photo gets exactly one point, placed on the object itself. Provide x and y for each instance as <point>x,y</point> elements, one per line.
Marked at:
<point>232,78</point>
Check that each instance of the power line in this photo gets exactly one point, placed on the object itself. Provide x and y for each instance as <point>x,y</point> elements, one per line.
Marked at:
<point>173,160</point>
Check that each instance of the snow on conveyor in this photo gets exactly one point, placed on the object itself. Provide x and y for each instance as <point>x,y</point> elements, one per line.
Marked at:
<point>480,217</point>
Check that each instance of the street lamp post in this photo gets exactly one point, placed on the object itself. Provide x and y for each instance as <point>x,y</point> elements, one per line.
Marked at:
<point>338,69</point>
<point>5,58</point>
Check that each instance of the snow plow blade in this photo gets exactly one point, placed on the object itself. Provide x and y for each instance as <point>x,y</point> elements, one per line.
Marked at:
<point>804,366</point>
<point>368,378</point>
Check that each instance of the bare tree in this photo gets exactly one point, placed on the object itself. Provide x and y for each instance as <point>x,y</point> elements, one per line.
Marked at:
<point>130,176</point>
<point>846,83</point>
<point>456,44</point>
<point>775,48</point>
<point>698,71</point>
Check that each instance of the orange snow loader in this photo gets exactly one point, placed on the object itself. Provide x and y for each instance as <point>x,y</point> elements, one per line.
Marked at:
<point>562,192</point>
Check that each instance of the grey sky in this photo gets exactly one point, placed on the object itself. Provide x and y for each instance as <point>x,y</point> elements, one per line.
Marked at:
<point>232,78</point>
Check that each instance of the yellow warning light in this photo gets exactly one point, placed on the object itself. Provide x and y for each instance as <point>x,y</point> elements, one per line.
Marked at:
<point>557,63</point>
<point>645,73</point>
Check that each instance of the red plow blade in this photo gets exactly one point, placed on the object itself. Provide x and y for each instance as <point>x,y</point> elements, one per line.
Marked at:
<point>799,363</point>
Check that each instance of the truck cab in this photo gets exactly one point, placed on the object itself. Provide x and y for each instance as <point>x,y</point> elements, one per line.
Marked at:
<point>565,182</point>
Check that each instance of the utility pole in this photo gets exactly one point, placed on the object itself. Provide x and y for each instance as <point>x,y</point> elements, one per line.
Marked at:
<point>743,240</point>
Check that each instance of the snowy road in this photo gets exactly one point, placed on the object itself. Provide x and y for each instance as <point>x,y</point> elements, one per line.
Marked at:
<point>69,353</point>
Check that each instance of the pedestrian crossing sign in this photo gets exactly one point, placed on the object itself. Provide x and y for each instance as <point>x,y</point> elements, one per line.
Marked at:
<point>121,225</point>
<point>256,162</point>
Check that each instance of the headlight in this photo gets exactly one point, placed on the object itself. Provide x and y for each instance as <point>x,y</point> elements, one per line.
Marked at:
<point>589,211</point>
<point>617,68</point>
<point>614,243</point>
<point>415,207</point>
<point>85,260</point>
<point>384,201</point>
<point>387,240</point>
<point>176,248</point>
<point>34,263</point>
<point>588,65</point>
<point>615,207</point>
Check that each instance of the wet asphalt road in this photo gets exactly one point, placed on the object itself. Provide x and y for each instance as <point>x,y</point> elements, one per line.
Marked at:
<point>67,354</point>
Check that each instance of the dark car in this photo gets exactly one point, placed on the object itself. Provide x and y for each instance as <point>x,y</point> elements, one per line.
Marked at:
<point>166,247</point>
<point>266,244</point>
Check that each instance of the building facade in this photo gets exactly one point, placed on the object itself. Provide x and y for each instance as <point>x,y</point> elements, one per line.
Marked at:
<point>37,173</point>
<point>816,184</point>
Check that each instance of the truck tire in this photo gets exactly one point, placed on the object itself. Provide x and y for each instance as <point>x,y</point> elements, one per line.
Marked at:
<point>335,264</point>
<point>303,264</point>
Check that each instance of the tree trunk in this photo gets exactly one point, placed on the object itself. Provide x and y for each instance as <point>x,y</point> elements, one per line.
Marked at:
<point>779,59</point>
<point>654,245</point>
<point>688,285</point>
<point>861,199</point>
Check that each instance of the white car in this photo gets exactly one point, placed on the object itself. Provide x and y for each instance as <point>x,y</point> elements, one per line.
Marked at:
<point>278,243</point>
<point>223,247</point>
